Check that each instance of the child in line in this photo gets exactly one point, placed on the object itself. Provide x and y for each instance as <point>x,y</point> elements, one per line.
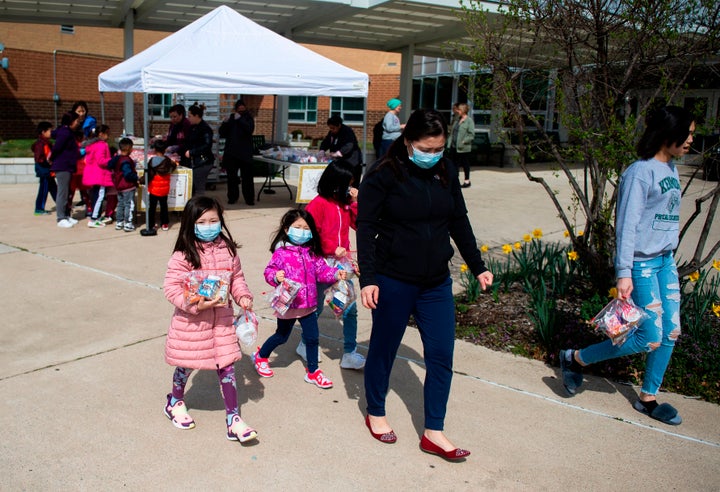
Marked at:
<point>297,256</point>
<point>201,333</point>
<point>125,179</point>
<point>41,151</point>
<point>160,168</point>
<point>334,210</point>
<point>96,175</point>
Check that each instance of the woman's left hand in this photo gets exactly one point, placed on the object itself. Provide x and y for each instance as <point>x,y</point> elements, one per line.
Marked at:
<point>485,279</point>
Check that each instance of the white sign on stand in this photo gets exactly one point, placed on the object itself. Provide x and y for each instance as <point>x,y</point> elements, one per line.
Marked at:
<point>308,181</point>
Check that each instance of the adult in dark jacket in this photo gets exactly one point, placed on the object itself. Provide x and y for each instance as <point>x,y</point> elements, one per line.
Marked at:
<point>409,206</point>
<point>178,131</point>
<point>341,142</point>
<point>237,130</point>
<point>64,157</point>
<point>199,152</point>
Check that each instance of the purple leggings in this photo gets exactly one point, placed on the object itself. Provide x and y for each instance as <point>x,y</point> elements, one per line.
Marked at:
<point>228,388</point>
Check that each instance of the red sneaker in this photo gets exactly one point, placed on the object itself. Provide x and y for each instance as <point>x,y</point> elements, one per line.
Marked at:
<point>318,379</point>
<point>262,366</point>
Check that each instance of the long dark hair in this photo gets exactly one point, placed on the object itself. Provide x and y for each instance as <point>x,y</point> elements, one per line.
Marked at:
<point>287,220</point>
<point>335,180</point>
<point>666,126</point>
<point>422,123</point>
<point>68,118</point>
<point>187,242</point>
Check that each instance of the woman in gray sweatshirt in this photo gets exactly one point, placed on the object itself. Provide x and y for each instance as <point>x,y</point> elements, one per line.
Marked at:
<point>647,224</point>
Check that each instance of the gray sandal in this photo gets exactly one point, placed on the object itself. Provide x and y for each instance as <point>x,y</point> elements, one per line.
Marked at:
<point>664,412</point>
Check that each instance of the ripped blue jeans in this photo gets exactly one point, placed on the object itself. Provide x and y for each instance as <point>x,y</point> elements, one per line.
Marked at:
<point>657,289</point>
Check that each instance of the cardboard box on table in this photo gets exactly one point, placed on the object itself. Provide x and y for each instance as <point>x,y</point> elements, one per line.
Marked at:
<point>180,190</point>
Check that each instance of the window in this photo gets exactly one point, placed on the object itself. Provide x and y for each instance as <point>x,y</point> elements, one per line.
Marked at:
<point>159,105</point>
<point>302,109</point>
<point>350,109</point>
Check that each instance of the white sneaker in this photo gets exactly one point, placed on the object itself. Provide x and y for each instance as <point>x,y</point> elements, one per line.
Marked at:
<point>95,223</point>
<point>65,224</point>
<point>302,351</point>
<point>71,220</point>
<point>352,360</point>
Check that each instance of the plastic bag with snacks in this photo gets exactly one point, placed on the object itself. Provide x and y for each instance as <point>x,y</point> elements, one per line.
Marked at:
<point>618,319</point>
<point>246,328</point>
<point>341,297</point>
<point>346,263</point>
<point>207,284</point>
<point>284,294</point>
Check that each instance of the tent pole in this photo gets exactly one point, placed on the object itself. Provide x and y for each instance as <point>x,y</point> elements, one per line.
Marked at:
<point>273,117</point>
<point>102,107</point>
<point>149,229</point>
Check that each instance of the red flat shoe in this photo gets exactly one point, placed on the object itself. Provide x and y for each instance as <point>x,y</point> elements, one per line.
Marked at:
<point>387,438</point>
<point>456,454</point>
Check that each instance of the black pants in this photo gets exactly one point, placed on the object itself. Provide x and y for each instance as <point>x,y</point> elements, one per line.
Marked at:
<point>232,165</point>
<point>164,216</point>
<point>462,159</point>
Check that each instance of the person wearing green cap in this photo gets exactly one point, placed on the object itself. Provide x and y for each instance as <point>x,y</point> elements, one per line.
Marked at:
<point>391,125</point>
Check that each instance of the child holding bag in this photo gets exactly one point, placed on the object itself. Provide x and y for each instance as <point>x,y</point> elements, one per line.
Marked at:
<point>297,256</point>
<point>201,333</point>
<point>334,210</point>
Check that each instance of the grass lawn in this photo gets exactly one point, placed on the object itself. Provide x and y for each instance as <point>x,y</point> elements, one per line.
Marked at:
<point>16,148</point>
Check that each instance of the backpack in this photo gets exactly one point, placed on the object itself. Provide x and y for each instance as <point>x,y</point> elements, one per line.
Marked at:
<point>377,137</point>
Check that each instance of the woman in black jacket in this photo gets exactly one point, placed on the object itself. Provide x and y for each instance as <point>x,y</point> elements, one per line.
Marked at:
<point>410,205</point>
<point>199,155</point>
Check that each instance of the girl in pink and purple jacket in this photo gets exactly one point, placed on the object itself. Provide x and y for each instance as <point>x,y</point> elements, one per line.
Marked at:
<point>201,333</point>
<point>96,175</point>
<point>297,256</point>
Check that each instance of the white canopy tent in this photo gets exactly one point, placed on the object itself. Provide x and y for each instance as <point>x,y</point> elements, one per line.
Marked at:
<point>224,52</point>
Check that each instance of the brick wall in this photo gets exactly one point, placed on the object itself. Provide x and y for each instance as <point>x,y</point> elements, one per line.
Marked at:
<point>27,88</point>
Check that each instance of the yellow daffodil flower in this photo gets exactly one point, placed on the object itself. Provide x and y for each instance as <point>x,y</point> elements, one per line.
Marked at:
<point>716,265</point>
<point>613,292</point>
<point>573,256</point>
<point>527,238</point>
<point>517,245</point>
<point>537,233</point>
<point>463,268</point>
<point>507,249</point>
<point>484,248</point>
<point>566,234</point>
<point>581,233</point>
<point>716,309</point>
<point>694,276</point>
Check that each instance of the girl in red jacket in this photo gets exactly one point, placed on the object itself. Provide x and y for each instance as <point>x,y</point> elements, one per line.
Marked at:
<point>201,333</point>
<point>334,210</point>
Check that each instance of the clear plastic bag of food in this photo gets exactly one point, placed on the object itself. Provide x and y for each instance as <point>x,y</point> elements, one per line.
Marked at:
<point>341,295</point>
<point>284,294</point>
<point>246,328</point>
<point>346,263</point>
<point>207,284</point>
<point>618,319</point>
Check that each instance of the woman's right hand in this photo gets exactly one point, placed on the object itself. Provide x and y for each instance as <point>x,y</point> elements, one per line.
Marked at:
<point>624,287</point>
<point>369,295</point>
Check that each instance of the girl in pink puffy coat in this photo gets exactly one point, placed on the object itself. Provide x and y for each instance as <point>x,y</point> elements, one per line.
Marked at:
<point>96,175</point>
<point>297,256</point>
<point>201,333</point>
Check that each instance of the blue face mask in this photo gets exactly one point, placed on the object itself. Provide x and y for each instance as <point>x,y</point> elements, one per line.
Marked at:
<point>425,160</point>
<point>299,236</point>
<point>207,232</point>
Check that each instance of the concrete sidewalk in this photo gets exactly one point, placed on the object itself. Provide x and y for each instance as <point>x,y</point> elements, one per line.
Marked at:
<point>84,381</point>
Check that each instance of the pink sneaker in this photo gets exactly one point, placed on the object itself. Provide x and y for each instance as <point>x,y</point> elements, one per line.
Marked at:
<point>318,379</point>
<point>178,414</point>
<point>240,431</point>
<point>262,366</point>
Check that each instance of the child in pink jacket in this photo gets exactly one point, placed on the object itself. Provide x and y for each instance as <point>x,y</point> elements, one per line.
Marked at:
<point>201,333</point>
<point>96,175</point>
<point>297,256</point>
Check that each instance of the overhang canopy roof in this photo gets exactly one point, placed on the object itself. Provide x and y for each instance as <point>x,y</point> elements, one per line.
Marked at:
<point>383,25</point>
